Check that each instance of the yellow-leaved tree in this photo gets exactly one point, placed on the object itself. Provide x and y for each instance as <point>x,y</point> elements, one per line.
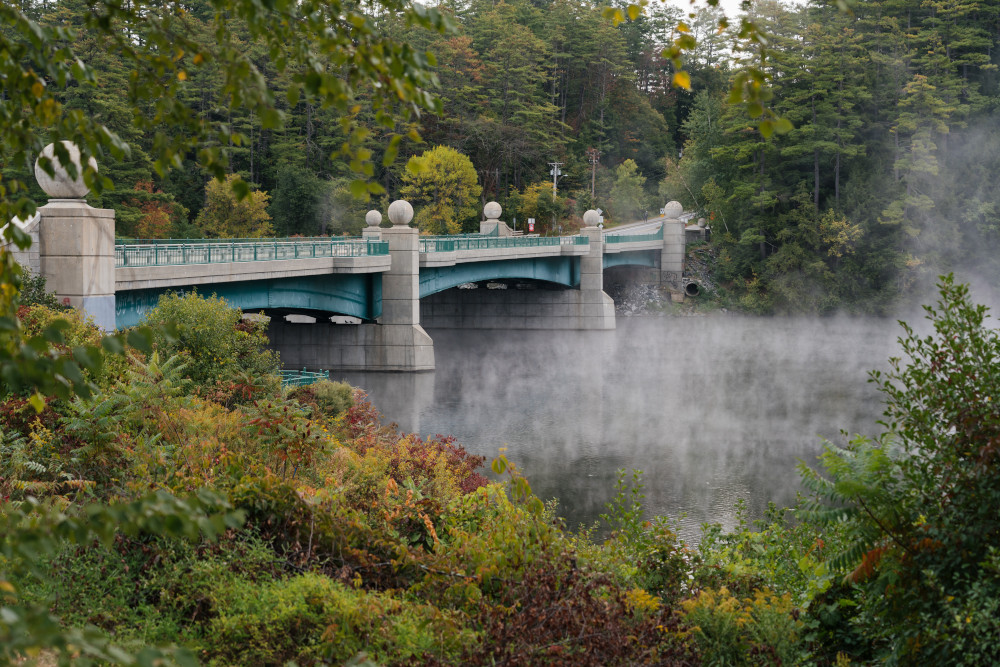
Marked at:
<point>443,186</point>
<point>227,216</point>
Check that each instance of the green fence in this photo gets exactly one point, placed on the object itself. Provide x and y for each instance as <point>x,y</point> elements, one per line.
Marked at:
<point>478,242</point>
<point>634,238</point>
<point>167,252</point>
<point>292,378</point>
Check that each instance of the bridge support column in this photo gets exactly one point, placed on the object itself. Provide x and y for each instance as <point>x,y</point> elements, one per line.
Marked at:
<point>76,243</point>
<point>399,342</point>
<point>598,309</point>
<point>672,255</point>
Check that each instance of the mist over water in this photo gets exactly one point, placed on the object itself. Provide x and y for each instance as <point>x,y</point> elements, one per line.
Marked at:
<point>711,409</point>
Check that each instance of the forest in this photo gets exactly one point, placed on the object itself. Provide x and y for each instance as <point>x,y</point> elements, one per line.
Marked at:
<point>880,181</point>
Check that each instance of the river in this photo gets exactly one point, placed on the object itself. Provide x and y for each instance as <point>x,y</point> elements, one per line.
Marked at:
<point>711,409</point>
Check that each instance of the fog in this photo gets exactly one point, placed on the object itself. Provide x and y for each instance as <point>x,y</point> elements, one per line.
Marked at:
<point>711,409</point>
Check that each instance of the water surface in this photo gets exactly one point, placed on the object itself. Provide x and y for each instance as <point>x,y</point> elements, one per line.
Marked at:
<point>711,409</point>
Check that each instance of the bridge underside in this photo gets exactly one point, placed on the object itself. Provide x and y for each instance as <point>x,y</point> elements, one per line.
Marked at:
<point>650,258</point>
<point>354,294</point>
<point>563,271</point>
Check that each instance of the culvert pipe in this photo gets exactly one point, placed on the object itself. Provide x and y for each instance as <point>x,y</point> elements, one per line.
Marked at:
<point>692,289</point>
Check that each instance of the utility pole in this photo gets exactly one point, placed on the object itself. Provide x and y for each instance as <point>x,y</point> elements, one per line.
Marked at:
<point>593,155</point>
<point>556,173</point>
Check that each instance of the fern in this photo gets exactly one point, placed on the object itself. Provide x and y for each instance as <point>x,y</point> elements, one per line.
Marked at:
<point>857,497</point>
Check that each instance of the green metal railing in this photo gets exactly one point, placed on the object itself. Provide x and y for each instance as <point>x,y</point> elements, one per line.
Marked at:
<point>292,378</point>
<point>479,242</point>
<point>634,238</point>
<point>173,252</point>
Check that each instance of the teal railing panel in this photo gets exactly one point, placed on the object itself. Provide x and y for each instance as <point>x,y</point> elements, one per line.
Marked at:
<point>165,252</point>
<point>293,378</point>
<point>650,258</point>
<point>634,238</point>
<point>430,244</point>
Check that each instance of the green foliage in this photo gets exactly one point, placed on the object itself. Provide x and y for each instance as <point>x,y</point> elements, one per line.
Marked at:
<point>443,185</point>
<point>310,617</point>
<point>627,191</point>
<point>330,398</point>
<point>228,213</point>
<point>33,292</point>
<point>30,533</point>
<point>225,353</point>
<point>757,629</point>
<point>920,532</point>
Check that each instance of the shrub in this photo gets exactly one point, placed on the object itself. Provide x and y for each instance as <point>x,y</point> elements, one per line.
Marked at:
<point>918,505</point>
<point>330,398</point>
<point>762,628</point>
<point>226,352</point>
<point>80,331</point>
<point>313,619</point>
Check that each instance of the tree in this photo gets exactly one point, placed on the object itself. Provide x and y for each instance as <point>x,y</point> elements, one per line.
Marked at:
<point>225,215</point>
<point>627,191</point>
<point>296,204</point>
<point>916,508</point>
<point>442,183</point>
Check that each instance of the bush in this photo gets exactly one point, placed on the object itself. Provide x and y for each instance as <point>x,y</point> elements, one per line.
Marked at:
<point>330,398</point>
<point>313,619</point>
<point>918,505</point>
<point>228,355</point>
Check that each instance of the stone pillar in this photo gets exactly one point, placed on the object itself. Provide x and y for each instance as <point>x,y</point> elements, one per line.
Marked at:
<point>76,242</point>
<point>672,254</point>
<point>403,343</point>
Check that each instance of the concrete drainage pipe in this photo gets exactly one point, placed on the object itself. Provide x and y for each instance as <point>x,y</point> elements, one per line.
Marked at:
<point>691,289</point>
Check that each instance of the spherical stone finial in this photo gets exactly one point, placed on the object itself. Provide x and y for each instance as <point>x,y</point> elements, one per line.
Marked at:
<point>592,218</point>
<point>492,210</point>
<point>61,186</point>
<point>400,213</point>
<point>673,210</point>
<point>373,218</point>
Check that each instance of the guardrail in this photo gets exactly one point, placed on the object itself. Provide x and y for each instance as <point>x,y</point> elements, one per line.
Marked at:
<point>293,378</point>
<point>634,238</point>
<point>452,243</point>
<point>173,252</point>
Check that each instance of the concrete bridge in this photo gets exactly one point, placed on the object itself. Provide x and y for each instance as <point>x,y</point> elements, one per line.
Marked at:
<point>390,282</point>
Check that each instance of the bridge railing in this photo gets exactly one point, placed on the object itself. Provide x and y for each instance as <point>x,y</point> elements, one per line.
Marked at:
<point>477,242</point>
<point>294,378</point>
<point>634,238</point>
<point>166,252</point>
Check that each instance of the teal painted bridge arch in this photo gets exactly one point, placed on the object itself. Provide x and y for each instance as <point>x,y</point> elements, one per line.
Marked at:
<point>559,270</point>
<point>649,258</point>
<point>358,295</point>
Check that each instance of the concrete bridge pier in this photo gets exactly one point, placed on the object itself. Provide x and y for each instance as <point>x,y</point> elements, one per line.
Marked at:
<point>397,342</point>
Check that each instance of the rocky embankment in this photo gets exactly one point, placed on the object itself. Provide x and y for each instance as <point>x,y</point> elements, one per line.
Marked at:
<point>657,301</point>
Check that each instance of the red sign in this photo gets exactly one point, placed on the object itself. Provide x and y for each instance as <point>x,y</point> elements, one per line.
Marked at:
<point>531,225</point>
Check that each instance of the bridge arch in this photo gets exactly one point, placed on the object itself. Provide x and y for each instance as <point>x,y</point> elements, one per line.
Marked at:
<point>649,258</point>
<point>563,271</point>
<point>356,295</point>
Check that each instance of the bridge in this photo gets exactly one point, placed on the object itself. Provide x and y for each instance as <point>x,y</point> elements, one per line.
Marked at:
<point>390,282</point>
